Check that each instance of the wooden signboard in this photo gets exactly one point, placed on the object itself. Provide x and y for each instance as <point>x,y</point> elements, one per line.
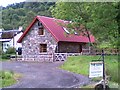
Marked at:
<point>96,69</point>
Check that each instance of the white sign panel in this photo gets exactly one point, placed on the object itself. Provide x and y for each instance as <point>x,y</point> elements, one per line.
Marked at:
<point>96,69</point>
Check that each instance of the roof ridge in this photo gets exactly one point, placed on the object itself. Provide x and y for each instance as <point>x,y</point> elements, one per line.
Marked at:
<point>52,18</point>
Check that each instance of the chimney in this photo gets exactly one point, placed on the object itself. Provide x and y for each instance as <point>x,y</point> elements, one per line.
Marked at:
<point>20,28</point>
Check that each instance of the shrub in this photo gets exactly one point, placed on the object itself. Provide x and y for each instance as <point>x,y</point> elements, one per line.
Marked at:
<point>10,50</point>
<point>5,56</point>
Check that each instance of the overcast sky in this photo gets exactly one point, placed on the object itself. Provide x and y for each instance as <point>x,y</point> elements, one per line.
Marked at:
<point>4,3</point>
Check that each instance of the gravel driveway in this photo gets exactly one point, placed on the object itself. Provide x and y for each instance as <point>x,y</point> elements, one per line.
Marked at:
<point>43,75</point>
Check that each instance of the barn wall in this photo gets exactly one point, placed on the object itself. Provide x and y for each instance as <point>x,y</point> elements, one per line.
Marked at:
<point>31,45</point>
<point>68,47</point>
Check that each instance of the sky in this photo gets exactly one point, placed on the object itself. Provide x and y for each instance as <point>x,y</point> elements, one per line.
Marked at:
<point>4,3</point>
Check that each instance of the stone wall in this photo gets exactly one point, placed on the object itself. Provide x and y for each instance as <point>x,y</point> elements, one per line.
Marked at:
<point>31,45</point>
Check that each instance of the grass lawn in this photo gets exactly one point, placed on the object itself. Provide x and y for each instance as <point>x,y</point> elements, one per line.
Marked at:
<point>80,65</point>
<point>8,78</point>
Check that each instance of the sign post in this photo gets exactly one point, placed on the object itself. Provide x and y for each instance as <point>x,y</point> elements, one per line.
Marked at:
<point>97,69</point>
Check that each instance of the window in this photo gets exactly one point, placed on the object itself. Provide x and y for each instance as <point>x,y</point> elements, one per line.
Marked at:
<point>39,24</point>
<point>66,30</point>
<point>43,47</point>
<point>76,33</point>
<point>41,30</point>
<point>7,44</point>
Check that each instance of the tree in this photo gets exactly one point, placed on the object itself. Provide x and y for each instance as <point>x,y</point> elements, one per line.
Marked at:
<point>99,18</point>
<point>118,21</point>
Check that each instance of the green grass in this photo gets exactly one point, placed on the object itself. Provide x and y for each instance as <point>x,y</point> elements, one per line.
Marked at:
<point>8,78</point>
<point>80,65</point>
<point>110,84</point>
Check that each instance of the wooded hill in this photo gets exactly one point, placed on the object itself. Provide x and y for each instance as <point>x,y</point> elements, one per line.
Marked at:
<point>21,14</point>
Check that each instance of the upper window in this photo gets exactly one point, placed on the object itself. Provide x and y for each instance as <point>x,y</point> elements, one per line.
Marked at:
<point>41,30</point>
<point>43,47</point>
<point>75,33</point>
<point>66,30</point>
<point>39,24</point>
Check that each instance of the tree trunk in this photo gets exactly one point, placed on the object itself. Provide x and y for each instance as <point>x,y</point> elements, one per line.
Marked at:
<point>88,35</point>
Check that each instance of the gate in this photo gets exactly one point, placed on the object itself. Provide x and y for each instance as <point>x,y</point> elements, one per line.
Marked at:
<point>60,56</point>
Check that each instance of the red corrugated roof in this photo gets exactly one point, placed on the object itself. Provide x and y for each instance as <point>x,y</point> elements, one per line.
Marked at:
<point>56,30</point>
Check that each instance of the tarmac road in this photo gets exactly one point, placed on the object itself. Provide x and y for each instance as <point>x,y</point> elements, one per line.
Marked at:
<point>44,75</point>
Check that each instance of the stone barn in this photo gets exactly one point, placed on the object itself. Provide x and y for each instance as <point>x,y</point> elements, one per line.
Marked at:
<point>44,38</point>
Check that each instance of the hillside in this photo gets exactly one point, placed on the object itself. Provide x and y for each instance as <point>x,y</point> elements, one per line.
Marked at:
<point>21,14</point>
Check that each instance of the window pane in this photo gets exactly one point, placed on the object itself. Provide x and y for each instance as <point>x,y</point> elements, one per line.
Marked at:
<point>41,31</point>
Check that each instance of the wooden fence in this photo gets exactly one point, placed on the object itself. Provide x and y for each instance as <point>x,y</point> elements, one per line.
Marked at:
<point>63,56</point>
<point>98,52</point>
